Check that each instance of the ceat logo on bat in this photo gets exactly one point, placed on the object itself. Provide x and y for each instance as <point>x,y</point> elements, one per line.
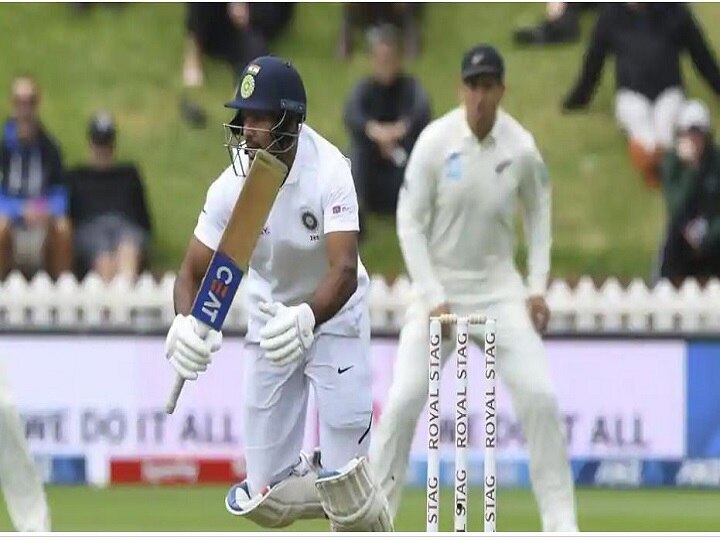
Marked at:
<point>218,291</point>
<point>220,284</point>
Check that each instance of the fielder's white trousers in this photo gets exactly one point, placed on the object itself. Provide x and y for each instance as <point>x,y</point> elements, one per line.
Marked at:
<point>522,366</point>
<point>21,485</point>
<point>650,123</point>
<point>275,404</point>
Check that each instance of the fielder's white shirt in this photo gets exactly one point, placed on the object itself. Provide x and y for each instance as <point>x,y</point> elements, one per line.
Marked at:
<point>455,215</point>
<point>290,258</point>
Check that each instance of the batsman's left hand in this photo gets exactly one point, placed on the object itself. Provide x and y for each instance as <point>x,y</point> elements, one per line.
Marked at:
<point>539,312</point>
<point>288,334</point>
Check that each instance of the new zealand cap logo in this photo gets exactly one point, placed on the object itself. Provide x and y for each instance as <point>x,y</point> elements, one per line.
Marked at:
<point>247,86</point>
<point>309,220</point>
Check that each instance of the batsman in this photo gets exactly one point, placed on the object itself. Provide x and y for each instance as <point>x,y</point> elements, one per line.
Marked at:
<point>308,315</point>
<point>455,219</point>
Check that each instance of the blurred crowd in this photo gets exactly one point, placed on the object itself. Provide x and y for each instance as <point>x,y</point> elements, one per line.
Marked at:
<point>670,137</point>
<point>90,217</point>
<point>95,216</point>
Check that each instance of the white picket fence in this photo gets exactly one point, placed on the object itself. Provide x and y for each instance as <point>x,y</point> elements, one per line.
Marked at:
<point>146,306</point>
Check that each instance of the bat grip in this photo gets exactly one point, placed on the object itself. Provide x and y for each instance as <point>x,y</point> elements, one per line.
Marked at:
<point>201,330</point>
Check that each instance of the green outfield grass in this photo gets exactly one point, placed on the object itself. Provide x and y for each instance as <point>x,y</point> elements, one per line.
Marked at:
<point>128,59</point>
<point>201,509</point>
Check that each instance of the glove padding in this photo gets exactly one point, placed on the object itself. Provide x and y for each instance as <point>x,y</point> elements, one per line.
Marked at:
<point>187,351</point>
<point>288,334</point>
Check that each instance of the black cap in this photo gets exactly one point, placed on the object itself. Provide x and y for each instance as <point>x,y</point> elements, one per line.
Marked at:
<point>101,129</point>
<point>482,59</point>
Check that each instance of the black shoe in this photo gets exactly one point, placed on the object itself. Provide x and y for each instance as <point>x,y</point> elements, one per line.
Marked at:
<point>548,32</point>
<point>315,460</point>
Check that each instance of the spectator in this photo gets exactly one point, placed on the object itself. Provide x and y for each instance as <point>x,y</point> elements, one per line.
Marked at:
<point>384,114</point>
<point>647,40</point>
<point>108,208</point>
<point>363,15</point>
<point>235,32</point>
<point>560,25</point>
<point>34,229</point>
<point>691,185</point>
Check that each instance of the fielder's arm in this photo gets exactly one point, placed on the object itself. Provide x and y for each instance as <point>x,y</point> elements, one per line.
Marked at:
<point>535,196</point>
<point>415,211</point>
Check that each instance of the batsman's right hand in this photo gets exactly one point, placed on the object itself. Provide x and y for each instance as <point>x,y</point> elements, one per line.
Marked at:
<point>186,350</point>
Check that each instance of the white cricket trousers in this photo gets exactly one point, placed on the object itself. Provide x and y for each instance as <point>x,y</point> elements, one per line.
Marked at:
<point>275,400</point>
<point>650,123</point>
<point>21,485</point>
<point>522,366</point>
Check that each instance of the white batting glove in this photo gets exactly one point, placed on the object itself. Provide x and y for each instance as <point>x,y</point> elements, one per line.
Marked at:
<point>289,332</point>
<point>189,353</point>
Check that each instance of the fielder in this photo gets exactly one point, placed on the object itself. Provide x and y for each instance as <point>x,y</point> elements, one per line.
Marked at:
<point>455,216</point>
<point>21,485</point>
<point>308,317</point>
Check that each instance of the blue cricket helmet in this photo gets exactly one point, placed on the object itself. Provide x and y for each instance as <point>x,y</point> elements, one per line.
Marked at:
<point>268,84</point>
<point>272,84</point>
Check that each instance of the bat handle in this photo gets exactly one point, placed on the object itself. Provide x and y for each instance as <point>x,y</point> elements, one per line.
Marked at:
<point>174,395</point>
<point>202,330</point>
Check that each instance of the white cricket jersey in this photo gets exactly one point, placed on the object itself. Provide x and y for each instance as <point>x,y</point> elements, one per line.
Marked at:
<point>455,215</point>
<point>290,258</point>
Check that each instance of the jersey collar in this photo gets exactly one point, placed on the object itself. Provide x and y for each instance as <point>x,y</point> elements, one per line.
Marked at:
<point>300,159</point>
<point>491,138</point>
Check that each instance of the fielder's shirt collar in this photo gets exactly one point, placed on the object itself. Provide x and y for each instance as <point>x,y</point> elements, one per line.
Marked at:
<point>490,139</point>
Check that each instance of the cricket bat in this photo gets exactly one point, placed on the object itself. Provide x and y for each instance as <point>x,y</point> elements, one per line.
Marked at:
<point>232,257</point>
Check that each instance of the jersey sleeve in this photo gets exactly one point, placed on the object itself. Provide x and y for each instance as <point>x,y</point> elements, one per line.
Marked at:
<point>535,196</point>
<point>415,210</point>
<point>216,212</point>
<point>340,204</point>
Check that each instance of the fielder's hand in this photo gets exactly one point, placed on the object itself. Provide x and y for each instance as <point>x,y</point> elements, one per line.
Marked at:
<point>539,312</point>
<point>189,353</point>
<point>288,333</point>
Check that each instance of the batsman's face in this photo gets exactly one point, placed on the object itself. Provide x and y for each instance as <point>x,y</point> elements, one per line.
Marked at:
<point>256,129</point>
<point>481,96</point>
<point>248,132</point>
<point>251,131</point>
